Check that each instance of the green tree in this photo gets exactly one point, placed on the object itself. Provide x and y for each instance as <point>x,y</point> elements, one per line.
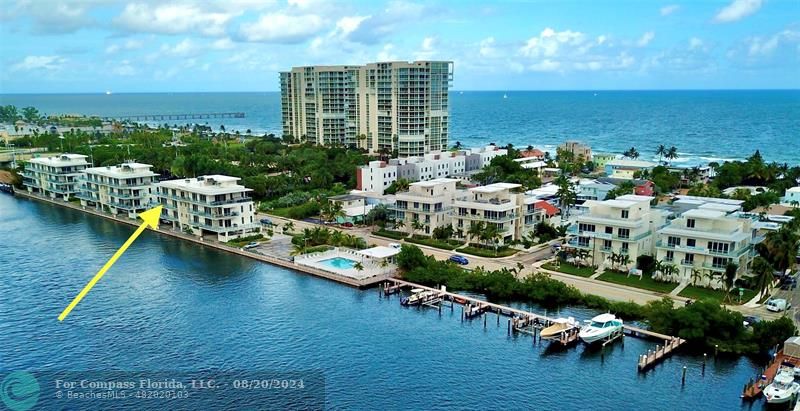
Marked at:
<point>566,195</point>
<point>661,151</point>
<point>763,271</point>
<point>411,257</point>
<point>31,114</point>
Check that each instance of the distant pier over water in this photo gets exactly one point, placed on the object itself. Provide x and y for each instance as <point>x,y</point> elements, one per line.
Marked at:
<point>183,116</point>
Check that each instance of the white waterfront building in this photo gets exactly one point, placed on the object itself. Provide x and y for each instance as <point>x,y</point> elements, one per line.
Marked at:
<point>703,240</point>
<point>208,205</point>
<point>623,225</point>
<point>125,189</point>
<point>497,204</point>
<point>426,202</point>
<point>55,176</point>
<point>377,176</point>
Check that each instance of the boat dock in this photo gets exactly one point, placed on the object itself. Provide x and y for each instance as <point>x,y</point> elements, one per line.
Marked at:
<point>526,322</point>
<point>755,386</point>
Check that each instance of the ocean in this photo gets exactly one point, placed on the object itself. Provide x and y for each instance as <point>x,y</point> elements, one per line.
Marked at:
<point>704,125</point>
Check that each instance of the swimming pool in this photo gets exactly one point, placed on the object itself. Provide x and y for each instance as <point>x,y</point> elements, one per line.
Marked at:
<point>340,263</point>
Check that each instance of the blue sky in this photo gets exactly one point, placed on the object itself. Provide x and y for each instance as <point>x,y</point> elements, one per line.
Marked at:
<point>240,45</point>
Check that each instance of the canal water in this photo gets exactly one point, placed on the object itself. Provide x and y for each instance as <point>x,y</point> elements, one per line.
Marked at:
<point>169,305</point>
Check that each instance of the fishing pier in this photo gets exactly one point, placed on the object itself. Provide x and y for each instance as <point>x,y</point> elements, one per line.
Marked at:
<point>525,322</point>
<point>181,116</point>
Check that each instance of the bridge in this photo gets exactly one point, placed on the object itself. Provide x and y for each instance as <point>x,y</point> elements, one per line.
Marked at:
<point>181,116</point>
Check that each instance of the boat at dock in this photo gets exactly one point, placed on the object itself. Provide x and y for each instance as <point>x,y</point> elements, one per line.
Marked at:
<point>418,296</point>
<point>601,327</point>
<point>782,388</point>
<point>560,326</point>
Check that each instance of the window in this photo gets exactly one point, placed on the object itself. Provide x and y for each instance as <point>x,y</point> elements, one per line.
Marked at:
<point>583,241</point>
<point>625,248</point>
<point>688,258</point>
<point>670,256</point>
<point>609,230</point>
<point>624,233</point>
<point>624,214</point>
<point>607,244</point>
<point>690,223</point>
<point>690,242</point>
<point>586,227</point>
<point>719,248</point>
<point>719,262</point>
<point>673,241</point>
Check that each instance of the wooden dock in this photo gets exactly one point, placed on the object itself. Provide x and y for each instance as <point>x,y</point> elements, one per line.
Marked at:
<point>528,322</point>
<point>755,386</point>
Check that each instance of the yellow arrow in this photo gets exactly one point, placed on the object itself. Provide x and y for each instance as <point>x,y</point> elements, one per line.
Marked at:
<point>150,218</point>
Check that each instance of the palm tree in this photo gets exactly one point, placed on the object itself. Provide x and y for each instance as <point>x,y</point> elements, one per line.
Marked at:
<point>399,224</point>
<point>457,145</point>
<point>672,153</point>
<point>475,230</point>
<point>661,151</point>
<point>631,153</point>
<point>658,272</point>
<point>288,227</point>
<point>566,194</point>
<point>763,271</point>
<point>401,184</point>
<point>583,255</point>
<point>780,247</point>
<point>624,260</point>
<point>696,275</point>
<point>730,278</point>
<point>416,225</point>
<point>358,266</point>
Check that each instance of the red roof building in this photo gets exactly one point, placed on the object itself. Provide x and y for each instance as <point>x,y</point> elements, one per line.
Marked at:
<point>549,209</point>
<point>535,153</point>
<point>645,189</point>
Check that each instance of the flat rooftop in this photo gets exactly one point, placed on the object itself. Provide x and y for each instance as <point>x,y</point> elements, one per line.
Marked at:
<point>210,185</point>
<point>710,199</point>
<point>434,182</point>
<point>634,197</point>
<point>704,213</point>
<point>495,188</point>
<point>61,160</point>
<point>124,170</point>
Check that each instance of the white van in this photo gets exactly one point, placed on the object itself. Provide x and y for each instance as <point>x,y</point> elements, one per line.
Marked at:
<point>394,245</point>
<point>777,305</point>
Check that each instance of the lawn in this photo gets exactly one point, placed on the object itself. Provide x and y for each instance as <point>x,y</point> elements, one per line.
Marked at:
<point>445,245</point>
<point>568,268</point>
<point>646,282</point>
<point>488,252</point>
<point>702,293</point>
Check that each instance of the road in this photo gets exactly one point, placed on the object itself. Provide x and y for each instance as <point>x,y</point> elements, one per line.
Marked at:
<point>532,260</point>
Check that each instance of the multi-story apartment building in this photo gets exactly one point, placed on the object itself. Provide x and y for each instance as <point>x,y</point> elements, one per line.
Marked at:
<point>208,205</point>
<point>378,175</point>
<point>426,202</point>
<point>623,225</point>
<point>385,106</point>
<point>703,240</point>
<point>578,150</point>
<point>125,189</point>
<point>626,169</point>
<point>497,204</point>
<point>56,176</point>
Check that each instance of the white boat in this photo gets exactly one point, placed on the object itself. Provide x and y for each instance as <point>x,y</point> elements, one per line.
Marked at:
<point>782,387</point>
<point>505,95</point>
<point>560,326</point>
<point>600,328</point>
<point>417,297</point>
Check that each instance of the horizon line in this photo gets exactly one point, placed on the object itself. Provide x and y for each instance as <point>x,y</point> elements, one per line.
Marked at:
<point>2,93</point>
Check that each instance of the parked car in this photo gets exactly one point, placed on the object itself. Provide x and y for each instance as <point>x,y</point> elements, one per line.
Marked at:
<point>251,245</point>
<point>394,245</point>
<point>750,320</point>
<point>458,259</point>
<point>266,221</point>
<point>788,283</point>
<point>347,224</point>
<point>777,305</point>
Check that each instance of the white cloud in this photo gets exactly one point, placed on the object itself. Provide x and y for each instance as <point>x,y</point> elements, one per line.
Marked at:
<point>349,24</point>
<point>667,10</point>
<point>695,43</point>
<point>487,47</point>
<point>646,39</point>
<point>173,19</point>
<point>737,10</point>
<point>386,53</point>
<point>427,49</point>
<point>127,45</point>
<point>545,65</point>
<point>222,44</point>
<point>282,28</point>
<point>396,15</point>
<point>549,41</point>
<point>124,68</point>
<point>186,47</point>
<point>781,48</point>
<point>30,63</point>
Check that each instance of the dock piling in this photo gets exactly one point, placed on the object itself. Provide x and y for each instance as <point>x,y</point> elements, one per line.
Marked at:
<point>683,378</point>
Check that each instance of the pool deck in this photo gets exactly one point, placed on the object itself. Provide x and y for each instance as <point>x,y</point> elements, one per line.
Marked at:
<point>353,282</point>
